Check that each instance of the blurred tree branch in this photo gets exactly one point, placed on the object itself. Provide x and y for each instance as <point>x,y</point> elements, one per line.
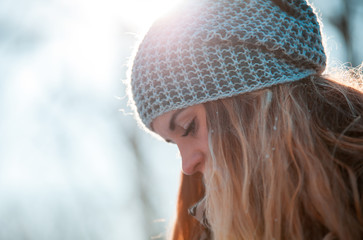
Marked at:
<point>142,183</point>
<point>343,21</point>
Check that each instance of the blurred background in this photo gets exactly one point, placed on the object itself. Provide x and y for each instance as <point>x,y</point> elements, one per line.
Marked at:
<point>73,163</point>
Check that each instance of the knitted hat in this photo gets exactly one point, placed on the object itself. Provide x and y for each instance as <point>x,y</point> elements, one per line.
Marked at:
<point>213,49</point>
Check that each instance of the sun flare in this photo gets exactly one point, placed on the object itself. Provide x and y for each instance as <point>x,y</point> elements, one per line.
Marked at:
<point>143,12</point>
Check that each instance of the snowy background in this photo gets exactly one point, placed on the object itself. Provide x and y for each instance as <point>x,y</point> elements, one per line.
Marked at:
<point>73,164</point>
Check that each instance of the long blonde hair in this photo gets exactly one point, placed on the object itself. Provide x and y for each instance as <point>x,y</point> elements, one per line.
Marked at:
<point>287,163</point>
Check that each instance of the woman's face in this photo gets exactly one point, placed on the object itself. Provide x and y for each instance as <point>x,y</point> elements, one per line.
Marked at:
<point>187,128</point>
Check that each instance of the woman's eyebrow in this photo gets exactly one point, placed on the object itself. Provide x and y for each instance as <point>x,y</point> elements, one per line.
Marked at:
<point>172,119</point>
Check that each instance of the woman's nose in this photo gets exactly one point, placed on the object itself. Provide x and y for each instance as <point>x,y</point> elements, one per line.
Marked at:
<point>192,161</point>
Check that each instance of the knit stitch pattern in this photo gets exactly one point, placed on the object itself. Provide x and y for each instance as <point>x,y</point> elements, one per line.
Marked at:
<point>213,49</point>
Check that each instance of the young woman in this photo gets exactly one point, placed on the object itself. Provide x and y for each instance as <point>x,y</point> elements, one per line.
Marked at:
<point>271,147</point>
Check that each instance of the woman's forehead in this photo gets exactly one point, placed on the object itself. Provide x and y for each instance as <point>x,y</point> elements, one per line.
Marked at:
<point>167,120</point>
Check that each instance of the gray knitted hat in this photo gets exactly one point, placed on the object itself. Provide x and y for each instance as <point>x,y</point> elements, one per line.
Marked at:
<point>213,49</point>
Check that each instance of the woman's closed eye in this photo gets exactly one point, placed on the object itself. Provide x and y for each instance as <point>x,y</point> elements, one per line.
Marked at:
<point>191,128</point>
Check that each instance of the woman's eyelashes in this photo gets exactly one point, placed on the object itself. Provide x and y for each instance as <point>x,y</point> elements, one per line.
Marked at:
<point>191,128</point>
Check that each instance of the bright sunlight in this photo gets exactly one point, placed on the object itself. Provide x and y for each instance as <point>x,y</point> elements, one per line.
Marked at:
<point>143,12</point>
